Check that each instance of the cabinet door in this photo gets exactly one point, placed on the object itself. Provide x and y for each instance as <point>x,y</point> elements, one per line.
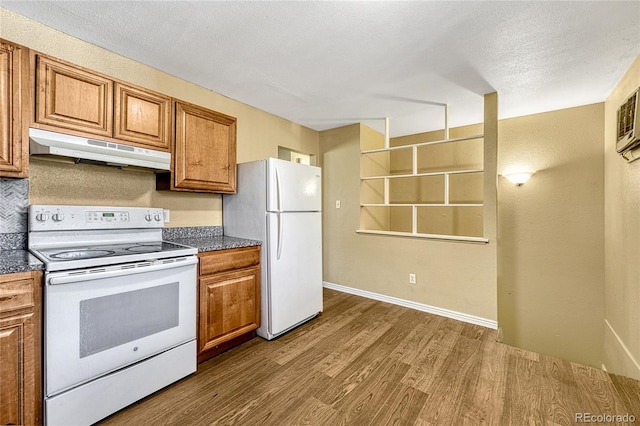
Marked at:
<point>142,116</point>
<point>15,103</point>
<point>229,307</point>
<point>205,150</point>
<point>13,333</point>
<point>72,98</point>
<point>10,374</point>
<point>20,378</point>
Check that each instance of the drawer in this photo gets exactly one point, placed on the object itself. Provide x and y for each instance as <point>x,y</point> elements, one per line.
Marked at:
<point>214,262</point>
<point>16,294</point>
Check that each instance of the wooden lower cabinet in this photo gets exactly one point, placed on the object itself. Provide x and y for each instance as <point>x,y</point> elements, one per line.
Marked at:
<point>228,299</point>
<point>20,349</point>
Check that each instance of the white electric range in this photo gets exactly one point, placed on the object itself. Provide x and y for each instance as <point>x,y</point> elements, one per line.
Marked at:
<point>119,308</point>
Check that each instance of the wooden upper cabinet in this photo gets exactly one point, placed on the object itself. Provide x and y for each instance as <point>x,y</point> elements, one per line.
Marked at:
<point>142,116</point>
<point>15,107</point>
<point>204,156</point>
<point>68,97</point>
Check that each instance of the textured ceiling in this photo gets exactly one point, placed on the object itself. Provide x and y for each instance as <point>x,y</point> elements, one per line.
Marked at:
<point>327,64</point>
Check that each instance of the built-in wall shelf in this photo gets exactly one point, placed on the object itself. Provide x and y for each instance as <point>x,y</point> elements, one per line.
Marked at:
<point>421,205</point>
<point>447,172</point>
<point>427,189</point>
<point>459,238</point>
<point>418,145</point>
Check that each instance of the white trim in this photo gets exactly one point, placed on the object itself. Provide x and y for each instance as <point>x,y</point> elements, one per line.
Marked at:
<point>414,219</point>
<point>448,172</point>
<point>446,188</point>
<point>414,160</point>
<point>393,148</point>
<point>446,121</point>
<point>415,305</point>
<point>624,347</point>
<point>419,205</point>
<point>428,236</point>
<point>386,132</point>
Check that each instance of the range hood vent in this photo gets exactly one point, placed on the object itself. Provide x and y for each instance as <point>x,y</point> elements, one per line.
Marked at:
<point>96,151</point>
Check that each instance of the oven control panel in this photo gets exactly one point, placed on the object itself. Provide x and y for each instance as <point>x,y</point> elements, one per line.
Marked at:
<point>108,217</point>
<point>52,217</point>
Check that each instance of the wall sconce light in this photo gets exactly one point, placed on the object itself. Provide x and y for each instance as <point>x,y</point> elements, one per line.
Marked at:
<point>518,178</point>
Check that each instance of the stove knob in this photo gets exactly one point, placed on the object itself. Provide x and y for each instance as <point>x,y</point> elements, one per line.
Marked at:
<point>58,217</point>
<point>158,217</point>
<point>42,217</point>
<point>147,217</point>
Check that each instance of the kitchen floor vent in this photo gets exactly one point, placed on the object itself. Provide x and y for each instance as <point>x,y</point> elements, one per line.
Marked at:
<point>628,124</point>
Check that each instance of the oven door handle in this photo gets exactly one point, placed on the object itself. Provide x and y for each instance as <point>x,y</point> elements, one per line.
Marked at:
<point>68,279</point>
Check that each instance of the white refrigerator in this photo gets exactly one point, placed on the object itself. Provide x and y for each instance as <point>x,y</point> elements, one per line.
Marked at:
<point>279,203</point>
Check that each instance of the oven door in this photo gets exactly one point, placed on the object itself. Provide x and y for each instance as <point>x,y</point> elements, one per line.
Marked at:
<point>98,321</point>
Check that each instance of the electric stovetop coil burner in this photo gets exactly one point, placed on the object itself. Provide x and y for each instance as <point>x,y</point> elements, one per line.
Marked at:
<point>107,254</point>
<point>80,254</point>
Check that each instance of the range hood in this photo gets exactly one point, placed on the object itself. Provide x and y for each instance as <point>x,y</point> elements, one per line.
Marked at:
<point>96,151</point>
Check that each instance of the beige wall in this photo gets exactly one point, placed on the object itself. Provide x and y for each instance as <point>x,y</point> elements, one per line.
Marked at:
<point>456,276</point>
<point>258,135</point>
<point>550,253</point>
<point>622,242</point>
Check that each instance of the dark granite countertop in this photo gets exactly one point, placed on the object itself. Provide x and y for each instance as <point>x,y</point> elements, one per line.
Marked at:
<point>206,238</point>
<point>13,261</point>
<point>213,243</point>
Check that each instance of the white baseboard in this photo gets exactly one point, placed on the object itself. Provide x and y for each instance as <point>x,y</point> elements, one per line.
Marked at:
<point>626,350</point>
<point>414,305</point>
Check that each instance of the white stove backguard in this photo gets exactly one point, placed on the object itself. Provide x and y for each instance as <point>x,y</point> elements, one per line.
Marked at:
<point>70,218</point>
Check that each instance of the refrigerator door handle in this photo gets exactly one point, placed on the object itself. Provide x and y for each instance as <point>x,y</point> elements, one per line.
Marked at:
<point>280,226</point>
<point>279,191</point>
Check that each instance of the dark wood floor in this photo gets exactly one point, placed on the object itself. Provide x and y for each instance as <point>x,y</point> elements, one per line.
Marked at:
<point>364,362</point>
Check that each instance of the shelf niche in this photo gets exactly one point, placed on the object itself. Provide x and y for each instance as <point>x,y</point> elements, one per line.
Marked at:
<point>424,185</point>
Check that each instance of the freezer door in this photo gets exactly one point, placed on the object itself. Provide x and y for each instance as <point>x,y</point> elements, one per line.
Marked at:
<point>294,282</point>
<point>293,187</point>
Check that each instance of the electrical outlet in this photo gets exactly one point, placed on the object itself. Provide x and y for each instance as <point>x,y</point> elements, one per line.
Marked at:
<point>412,278</point>
<point>337,204</point>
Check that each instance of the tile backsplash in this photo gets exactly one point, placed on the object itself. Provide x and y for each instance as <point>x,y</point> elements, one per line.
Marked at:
<point>14,204</point>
